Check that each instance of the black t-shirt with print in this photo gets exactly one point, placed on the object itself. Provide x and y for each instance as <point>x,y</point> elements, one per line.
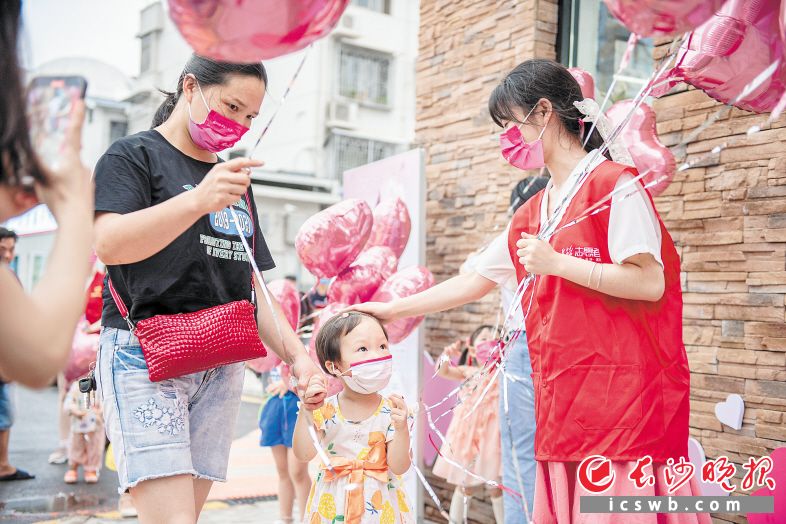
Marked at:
<point>203,267</point>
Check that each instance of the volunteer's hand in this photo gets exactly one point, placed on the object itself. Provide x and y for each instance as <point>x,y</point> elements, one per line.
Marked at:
<point>311,386</point>
<point>225,184</point>
<point>398,412</point>
<point>382,311</point>
<point>537,256</point>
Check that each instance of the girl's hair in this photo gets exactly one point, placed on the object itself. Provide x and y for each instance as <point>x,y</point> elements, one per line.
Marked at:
<point>329,337</point>
<point>535,79</point>
<point>472,338</point>
<point>17,158</point>
<point>207,72</point>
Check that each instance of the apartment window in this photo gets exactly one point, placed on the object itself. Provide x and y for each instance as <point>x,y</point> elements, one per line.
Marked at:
<point>350,151</point>
<point>117,130</point>
<point>603,42</point>
<point>381,6</point>
<point>146,57</point>
<point>364,75</point>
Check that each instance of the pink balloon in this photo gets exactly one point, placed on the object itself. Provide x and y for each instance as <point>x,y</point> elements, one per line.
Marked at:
<point>662,17</point>
<point>778,474</point>
<point>246,31</point>
<point>330,240</point>
<point>362,278</point>
<point>288,297</point>
<point>406,282</point>
<point>83,352</point>
<point>585,81</point>
<point>640,137</point>
<point>729,51</point>
<point>392,225</point>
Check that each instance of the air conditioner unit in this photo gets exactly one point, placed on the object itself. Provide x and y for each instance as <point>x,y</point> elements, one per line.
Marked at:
<point>342,113</point>
<point>346,27</point>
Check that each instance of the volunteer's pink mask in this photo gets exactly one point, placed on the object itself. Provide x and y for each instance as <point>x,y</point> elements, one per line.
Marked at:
<point>519,153</point>
<point>217,132</point>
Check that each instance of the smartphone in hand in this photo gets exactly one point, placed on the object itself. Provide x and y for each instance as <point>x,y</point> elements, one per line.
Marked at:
<point>50,102</point>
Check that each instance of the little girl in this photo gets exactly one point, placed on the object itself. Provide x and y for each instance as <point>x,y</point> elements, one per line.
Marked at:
<point>87,439</point>
<point>365,435</point>
<point>473,438</point>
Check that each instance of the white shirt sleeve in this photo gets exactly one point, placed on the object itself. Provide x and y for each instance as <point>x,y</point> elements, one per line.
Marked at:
<point>495,264</point>
<point>633,226</point>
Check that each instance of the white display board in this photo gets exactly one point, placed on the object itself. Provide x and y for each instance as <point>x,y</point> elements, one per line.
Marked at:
<point>401,176</point>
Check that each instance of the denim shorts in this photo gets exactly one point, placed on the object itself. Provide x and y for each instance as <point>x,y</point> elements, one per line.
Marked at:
<point>6,408</point>
<point>179,426</point>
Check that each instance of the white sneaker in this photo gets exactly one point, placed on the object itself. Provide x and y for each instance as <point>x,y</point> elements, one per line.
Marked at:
<point>58,456</point>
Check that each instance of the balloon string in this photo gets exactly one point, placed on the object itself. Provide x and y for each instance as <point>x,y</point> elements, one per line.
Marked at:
<point>283,99</point>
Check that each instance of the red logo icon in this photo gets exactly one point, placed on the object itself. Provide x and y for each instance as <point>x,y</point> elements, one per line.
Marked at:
<point>595,474</point>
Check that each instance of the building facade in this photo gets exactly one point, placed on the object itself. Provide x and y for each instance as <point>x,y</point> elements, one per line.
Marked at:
<point>727,214</point>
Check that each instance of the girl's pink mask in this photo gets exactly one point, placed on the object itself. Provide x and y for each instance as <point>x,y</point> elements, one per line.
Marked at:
<point>488,350</point>
<point>217,132</point>
<point>519,153</point>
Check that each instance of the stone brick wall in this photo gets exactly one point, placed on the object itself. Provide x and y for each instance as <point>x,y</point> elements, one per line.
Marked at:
<point>728,219</point>
<point>466,47</point>
<point>727,215</point>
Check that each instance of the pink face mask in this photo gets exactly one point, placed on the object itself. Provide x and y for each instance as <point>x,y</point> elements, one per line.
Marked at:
<point>217,132</point>
<point>487,350</point>
<point>519,153</point>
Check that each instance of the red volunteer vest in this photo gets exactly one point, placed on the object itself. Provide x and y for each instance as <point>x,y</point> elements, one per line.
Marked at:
<point>611,375</point>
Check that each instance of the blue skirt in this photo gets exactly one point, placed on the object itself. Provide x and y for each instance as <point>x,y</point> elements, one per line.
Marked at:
<point>277,421</point>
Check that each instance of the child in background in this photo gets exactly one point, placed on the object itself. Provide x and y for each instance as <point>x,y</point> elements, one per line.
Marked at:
<point>365,435</point>
<point>473,438</point>
<point>87,439</point>
<point>277,424</point>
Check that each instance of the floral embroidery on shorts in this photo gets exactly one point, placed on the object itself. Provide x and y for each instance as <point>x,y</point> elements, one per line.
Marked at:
<point>167,419</point>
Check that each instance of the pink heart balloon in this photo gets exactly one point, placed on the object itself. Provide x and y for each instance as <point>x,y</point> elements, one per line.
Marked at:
<point>729,51</point>
<point>362,278</point>
<point>662,17</point>
<point>585,81</point>
<point>778,474</point>
<point>640,137</point>
<point>406,282</point>
<point>330,240</point>
<point>288,297</point>
<point>392,226</point>
<point>83,352</point>
<point>246,31</point>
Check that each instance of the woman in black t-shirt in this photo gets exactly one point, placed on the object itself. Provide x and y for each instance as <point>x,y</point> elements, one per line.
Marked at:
<point>164,230</point>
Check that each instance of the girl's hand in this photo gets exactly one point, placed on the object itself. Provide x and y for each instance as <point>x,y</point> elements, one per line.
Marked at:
<point>398,412</point>
<point>453,350</point>
<point>279,389</point>
<point>311,387</point>
<point>468,371</point>
<point>382,311</point>
<point>537,256</point>
<point>224,185</point>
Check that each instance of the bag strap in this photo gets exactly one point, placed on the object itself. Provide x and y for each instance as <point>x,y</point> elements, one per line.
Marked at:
<point>121,307</point>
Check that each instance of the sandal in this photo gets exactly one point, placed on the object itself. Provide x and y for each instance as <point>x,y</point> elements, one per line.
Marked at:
<point>71,477</point>
<point>91,477</point>
<point>19,474</point>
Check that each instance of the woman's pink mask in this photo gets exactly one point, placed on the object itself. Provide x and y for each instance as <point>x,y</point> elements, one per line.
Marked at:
<point>519,153</point>
<point>217,132</point>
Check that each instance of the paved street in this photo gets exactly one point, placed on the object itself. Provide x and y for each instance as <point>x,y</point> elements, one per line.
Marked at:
<point>47,498</point>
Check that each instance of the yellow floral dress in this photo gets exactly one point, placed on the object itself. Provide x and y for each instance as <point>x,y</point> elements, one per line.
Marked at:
<point>360,489</point>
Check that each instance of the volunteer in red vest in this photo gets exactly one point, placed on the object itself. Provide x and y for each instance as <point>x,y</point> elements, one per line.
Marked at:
<point>604,313</point>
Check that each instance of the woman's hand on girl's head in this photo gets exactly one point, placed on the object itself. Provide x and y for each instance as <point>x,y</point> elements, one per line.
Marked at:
<point>224,185</point>
<point>382,311</point>
<point>537,256</point>
<point>69,192</point>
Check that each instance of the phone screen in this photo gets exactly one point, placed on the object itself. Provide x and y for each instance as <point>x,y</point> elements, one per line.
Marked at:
<point>50,102</point>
